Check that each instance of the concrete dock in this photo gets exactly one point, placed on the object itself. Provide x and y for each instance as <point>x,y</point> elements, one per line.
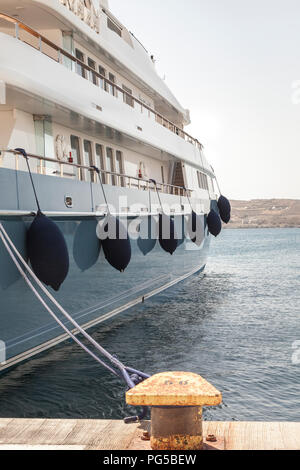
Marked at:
<point>83,434</point>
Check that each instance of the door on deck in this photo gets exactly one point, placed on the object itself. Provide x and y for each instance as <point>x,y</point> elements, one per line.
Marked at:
<point>178,177</point>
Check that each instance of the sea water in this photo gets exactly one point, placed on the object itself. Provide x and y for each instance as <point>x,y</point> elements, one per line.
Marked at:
<point>238,326</point>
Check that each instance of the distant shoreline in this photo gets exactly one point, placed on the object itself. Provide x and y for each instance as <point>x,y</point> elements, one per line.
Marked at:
<point>265,213</point>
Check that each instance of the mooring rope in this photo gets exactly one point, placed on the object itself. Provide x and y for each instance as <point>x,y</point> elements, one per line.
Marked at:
<point>88,311</point>
<point>123,370</point>
<point>96,169</point>
<point>157,192</point>
<point>29,283</point>
<point>24,153</point>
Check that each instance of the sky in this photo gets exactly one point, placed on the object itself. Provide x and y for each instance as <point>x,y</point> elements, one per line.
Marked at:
<point>235,64</point>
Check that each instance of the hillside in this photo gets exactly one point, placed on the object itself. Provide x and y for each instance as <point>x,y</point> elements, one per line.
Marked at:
<point>263,213</point>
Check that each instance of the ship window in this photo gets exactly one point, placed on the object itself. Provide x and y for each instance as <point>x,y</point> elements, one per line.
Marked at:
<point>114,27</point>
<point>119,167</point>
<point>92,75</point>
<point>202,180</point>
<point>111,88</point>
<point>127,99</point>
<point>102,72</point>
<point>79,68</point>
<point>76,154</point>
<point>100,161</point>
<point>110,165</point>
<point>206,182</point>
<point>88,159</point>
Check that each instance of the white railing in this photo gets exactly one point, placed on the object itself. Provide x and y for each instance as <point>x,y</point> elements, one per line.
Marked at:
<point>108,177</point>
<point>56,53</point>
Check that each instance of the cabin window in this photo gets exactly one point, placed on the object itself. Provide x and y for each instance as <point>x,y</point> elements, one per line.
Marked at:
<point>76,154</point>
<point>114,27</point>
<point>111,88</point>
<point>79,68</point>
<point>88,159</point>
<point>100,161</point>
<point>110,165</point>
<point>202,180</point>
<point>205,181</point>
<point>92,75</point>
<point>127,99</point>
<point>102,72</point>
<point>120,167</point>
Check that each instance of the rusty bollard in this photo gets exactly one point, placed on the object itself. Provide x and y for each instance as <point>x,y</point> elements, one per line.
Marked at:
<point>176,400</point>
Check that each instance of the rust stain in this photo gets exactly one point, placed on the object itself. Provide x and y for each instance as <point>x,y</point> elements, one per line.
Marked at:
<point>177,442</point>
<point>211,438</point>
<point>145,436</point>
<point>174,389</point>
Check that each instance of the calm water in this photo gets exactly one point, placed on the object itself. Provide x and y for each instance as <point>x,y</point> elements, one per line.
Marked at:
<point>235,326</point>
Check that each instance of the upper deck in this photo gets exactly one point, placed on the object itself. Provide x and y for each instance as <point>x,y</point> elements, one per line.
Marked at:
<point>96,30</point>
<point>31,69</point>
<point>56,73</point>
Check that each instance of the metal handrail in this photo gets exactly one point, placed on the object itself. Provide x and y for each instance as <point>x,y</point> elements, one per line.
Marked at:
<point>173,189</point>
<point>42,39</point>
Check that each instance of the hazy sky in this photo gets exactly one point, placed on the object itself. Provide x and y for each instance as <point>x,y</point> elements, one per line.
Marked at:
<point>233,64</point>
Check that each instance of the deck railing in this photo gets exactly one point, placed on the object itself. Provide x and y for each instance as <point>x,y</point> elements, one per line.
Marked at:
<point>57,54</point>
<point>107,177</point>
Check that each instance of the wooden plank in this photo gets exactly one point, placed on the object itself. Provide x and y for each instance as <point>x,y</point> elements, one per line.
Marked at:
<point>38,447</point>
<point>290,435</point>
<point>54,431</point>
<point>235,438</point>
<point>26,434</point>
<point>4,422</point>
<point>256,435</point>
<point>86,432</point>
<point>13,431</point>
<point>115,435</point>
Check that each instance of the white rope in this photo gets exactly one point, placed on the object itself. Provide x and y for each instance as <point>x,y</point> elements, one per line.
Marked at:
<point>6,240</point>
<point>216,179</point>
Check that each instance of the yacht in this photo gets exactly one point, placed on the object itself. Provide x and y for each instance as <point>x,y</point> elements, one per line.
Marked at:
<point>84,113</point>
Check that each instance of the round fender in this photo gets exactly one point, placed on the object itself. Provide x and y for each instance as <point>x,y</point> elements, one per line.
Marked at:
<point>224,209</point>
<point>196,229</point>
<point>214,223</point>
<point>116,246</point>
<point>167,234</point>
<point>47,251</point>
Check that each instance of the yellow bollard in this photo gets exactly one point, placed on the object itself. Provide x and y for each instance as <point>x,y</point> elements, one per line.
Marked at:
<point>176,400</point>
